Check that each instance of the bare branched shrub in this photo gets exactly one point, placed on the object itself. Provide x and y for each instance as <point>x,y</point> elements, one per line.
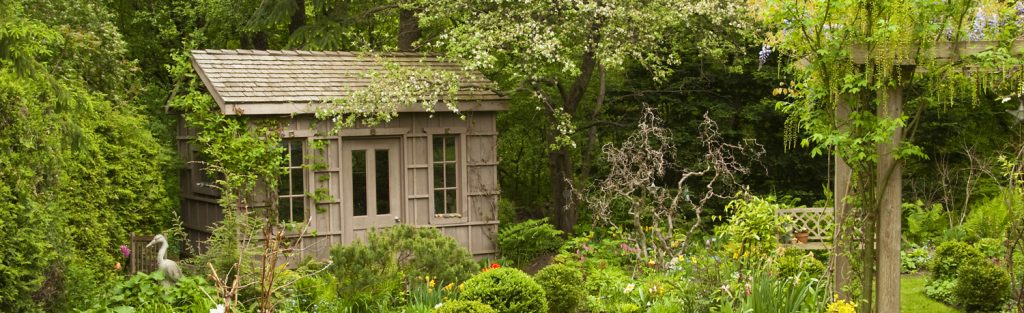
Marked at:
<point>657,212</point>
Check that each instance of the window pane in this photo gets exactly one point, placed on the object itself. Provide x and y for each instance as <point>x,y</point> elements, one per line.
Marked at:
<point>359,182</point>
<point>282,185</point>
<point>438,148</point>
<point>297,182</point>
<point>449,148</point>
<point>383,181</point>
<point>298,209</point>
<point>296,152</point>
<point>439,175</point>
<point>438,201</point>
<point>449,175</point>
<point>283,209</point>
<point>449,201</point>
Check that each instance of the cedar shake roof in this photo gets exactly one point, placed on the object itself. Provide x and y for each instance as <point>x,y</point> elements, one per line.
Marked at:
<point>255,82</point>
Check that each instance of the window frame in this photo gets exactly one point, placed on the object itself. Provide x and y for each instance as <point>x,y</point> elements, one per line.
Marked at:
<point>301,166</point>
<point>461,211</point>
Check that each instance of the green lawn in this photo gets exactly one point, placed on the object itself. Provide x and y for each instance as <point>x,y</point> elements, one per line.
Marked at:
<point>912,298</point>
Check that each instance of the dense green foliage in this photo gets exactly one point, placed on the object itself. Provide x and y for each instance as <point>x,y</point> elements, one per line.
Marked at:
<point>461,306</point>
<point>506,290</point>
<point>982,287</point>
<point>144,293</point>
<point>79,167</point>
<point>799,264</point>
<point>523,242</point>
<point>562,286</point>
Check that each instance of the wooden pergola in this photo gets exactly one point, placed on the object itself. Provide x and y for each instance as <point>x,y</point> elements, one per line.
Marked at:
<point>889,172</point>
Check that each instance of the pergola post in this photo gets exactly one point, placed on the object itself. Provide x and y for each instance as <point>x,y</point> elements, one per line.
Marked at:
<point>890,191</point>
<point>841,188</point>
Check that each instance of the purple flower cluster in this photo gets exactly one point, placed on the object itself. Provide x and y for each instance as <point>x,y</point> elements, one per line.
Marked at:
<point>125,251</point>
<point>982,21</point>
<point>1019,6</point>
<point>762,56</point>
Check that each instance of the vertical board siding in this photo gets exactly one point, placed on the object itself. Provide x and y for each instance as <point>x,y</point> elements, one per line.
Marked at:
<point>479,194</point>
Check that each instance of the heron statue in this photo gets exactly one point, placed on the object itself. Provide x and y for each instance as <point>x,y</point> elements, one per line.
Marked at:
<point>170,269</point>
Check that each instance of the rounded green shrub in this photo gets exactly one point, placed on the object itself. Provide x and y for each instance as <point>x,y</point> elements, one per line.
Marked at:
<point>982,287</point>
<point>563,287</point>
<point>461,306</point>
<point>507,290</point>
<point>950,255</point>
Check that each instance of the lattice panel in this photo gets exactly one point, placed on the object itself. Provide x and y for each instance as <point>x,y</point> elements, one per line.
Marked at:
<point>818,221</point>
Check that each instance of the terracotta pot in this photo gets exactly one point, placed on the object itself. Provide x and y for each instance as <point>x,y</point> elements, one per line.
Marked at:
<point>801,237</point>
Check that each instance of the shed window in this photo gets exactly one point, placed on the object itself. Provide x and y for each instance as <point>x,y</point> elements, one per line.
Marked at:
<point>291,188</point>
<point>445,160</point>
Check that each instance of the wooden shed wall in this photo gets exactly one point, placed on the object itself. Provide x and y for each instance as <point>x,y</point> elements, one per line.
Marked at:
<point>476,229</point>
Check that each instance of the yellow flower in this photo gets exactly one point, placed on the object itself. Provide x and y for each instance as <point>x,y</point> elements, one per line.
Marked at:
<point>461,287</point>
<point>746,254</point>
<point>682,258</point>
<point>842,306</point>
<point>431,283</point>
<point>693,259</point>
<point>736,255</point>
<point>449,286</point>
<point>651,262</point>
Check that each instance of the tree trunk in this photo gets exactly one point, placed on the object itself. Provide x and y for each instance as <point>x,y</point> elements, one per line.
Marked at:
<point>559,160</point>
<point>561,174</point>
<point>260,41</point>
<point>890,200</point>
<point>298,17</point>
<point>408,29</point>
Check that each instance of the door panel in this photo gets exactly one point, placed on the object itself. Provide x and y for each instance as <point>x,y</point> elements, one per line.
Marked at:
<point>371,178</point>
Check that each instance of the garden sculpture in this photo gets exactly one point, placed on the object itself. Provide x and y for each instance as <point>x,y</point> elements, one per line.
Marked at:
<point>168,267</point>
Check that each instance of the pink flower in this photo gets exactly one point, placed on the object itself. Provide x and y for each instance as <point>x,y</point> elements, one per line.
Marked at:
<point>125,251</point>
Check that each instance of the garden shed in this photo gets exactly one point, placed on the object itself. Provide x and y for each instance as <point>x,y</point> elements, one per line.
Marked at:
<point>436,169</point>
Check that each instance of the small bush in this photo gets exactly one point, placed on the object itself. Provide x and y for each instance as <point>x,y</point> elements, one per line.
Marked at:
<point>924,224</point>
<point>563,287</point>
<point>523,242</point>
<point>990,218</point>
<point>797,263</point>
<point>982,287</point>
<point>460,306</point>
<point>991,247</point>
<point>754,226</point>
<point>941,290</point>
<point>507,290</point>
<point>377,271</point>
<point>950,255</point>
<point>914,259</point>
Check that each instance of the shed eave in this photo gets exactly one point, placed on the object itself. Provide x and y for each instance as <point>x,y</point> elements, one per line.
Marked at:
<point>290,108</point>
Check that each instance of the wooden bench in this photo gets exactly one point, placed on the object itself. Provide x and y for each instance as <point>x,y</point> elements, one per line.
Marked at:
<point>818,222</point>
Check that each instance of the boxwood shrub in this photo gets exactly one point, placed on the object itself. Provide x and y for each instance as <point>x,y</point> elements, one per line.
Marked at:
<point>507,290</point>
<point>563,286</point>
